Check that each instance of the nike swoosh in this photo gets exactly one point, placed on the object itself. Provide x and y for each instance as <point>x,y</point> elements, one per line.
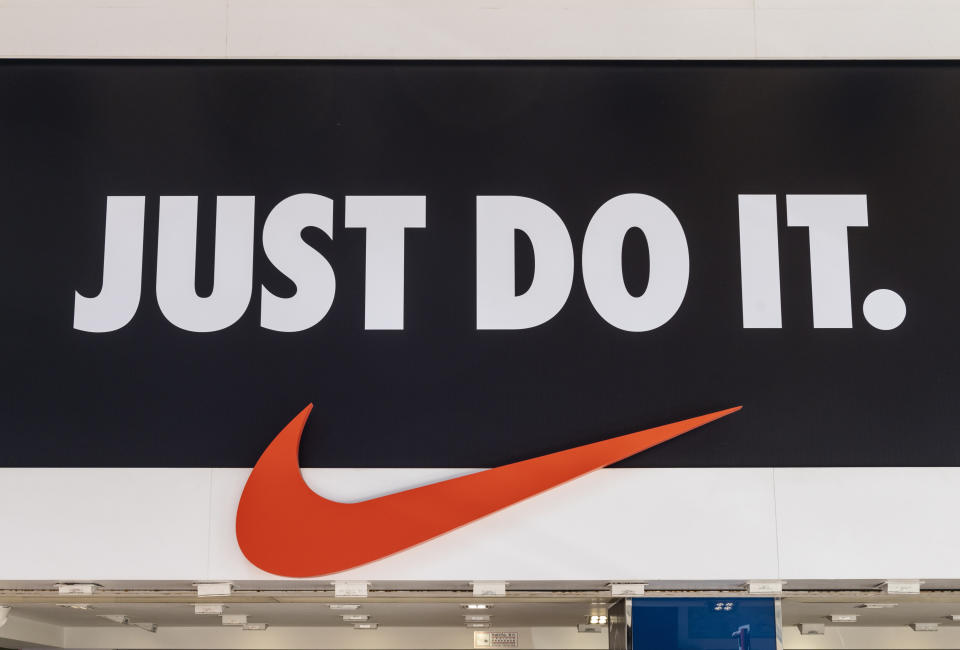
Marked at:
<point>287,529</point>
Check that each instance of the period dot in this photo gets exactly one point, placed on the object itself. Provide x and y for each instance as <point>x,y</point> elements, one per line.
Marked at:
<point>884,309</point>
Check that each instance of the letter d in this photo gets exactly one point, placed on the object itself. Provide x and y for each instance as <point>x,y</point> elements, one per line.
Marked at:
<point>498,306</point>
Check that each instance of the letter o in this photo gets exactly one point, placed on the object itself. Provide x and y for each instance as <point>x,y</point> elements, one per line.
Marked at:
<point>603,254</point>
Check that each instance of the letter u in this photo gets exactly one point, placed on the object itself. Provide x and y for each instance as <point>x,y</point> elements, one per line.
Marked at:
<point>177,262</point>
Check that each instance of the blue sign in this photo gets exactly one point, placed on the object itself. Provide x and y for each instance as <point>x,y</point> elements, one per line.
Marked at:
<point>704,624</point>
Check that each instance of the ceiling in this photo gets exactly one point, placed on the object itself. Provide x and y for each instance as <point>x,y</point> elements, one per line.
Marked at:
<point>796,610</point>
<point>319,614</point>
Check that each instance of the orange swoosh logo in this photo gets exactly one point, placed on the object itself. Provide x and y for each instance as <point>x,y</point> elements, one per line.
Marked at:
<point>287,529</point>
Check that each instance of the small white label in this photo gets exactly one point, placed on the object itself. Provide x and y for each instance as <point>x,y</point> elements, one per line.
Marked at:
<point>77,589</point>
<point>206,589</point>
<point>481,589</point>
<point>765,587</point>
<point>902,586</point>
<point>349,589</point>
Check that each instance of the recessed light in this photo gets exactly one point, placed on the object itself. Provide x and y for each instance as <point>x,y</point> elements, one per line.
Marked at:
<point>843,618</point>
<point>877,605</point>
<point>75,605</point>
<point>476,606</point>
<point>365,626</point>
<point>211,609</point>
<point>598,619</point>
<point>478,625</point>
<point>476,617</point>
<point>348,618</point>
<point>350,606</point>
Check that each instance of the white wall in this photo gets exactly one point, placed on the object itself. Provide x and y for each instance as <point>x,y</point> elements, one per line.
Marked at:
<point>613,524</point>
<point>668,29</point>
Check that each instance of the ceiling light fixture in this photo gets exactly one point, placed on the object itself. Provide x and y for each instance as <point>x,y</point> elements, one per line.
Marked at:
<point>598,619</point>
<point>476,617</point>
<point>478,625</point>
<point>843,618</point>
<point>365,626</point>
<point>877,605</point>
<point>344,606</point>
<point>255,627</point>
<point>476,606</point>
<point>75,605</point>
<point>234,619</point>
<point>211,609</point>
<point>116,618</point>
<point>349,618</point>
<point>925,627</point>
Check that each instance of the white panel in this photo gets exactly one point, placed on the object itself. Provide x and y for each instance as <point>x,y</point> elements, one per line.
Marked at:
<point>119,28</point>
<point>477,29</point>
<point>696,524</point>
<point>90,524</point>
<point>916,5</point>
<point>614,523</point>
<point>887,31</point>
<point>658,29</point>
<point>895,522</point>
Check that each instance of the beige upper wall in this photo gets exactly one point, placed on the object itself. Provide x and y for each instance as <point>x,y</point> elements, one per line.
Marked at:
<point>647,29</point>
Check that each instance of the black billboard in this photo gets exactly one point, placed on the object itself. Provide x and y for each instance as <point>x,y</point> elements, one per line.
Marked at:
<point>464,264</point>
